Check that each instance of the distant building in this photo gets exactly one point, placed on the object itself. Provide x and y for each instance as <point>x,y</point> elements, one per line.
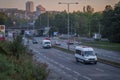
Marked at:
<point>8,9</point>
<point>53,12</point>
<point>40,10</point>
<point>29,6</point>
<point>14,12</point>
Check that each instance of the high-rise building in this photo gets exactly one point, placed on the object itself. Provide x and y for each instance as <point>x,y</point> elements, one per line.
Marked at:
<point>29,6</point>
<point>40,9</point>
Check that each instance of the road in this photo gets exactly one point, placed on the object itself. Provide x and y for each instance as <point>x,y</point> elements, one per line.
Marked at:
<point>64,67</point>
<point>101,53</point>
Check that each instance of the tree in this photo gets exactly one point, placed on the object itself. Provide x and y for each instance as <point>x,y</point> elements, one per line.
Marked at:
<point>61,22</point>
<point>115,27</point>
<point>3,18</point>
<point>96,23</point>
<point>111,22</point>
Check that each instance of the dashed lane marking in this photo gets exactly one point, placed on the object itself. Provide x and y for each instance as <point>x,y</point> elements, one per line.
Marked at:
<point>98,69</point>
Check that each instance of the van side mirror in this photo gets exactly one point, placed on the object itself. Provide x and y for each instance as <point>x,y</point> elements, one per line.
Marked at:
<point>95,53</point>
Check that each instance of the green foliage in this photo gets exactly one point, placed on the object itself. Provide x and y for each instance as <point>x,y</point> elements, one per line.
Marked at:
<point>61,22</point>
<point>16,47</point>
<point>22,68</point>
<point>111,22</point>
<point>6,68</point>
<point>3,18</point>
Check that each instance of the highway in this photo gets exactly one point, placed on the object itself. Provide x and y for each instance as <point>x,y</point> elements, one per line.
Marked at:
<point>64,67</point>
<point>101,53</point>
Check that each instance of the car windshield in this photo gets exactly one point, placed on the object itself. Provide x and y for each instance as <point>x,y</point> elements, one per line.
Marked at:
<point>89,53</point>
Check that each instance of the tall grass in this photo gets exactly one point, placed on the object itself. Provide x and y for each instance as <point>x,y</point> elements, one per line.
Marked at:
<point>16,64</point>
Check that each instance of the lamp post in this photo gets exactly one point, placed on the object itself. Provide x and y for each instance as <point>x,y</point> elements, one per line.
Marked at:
<point>68,18</point>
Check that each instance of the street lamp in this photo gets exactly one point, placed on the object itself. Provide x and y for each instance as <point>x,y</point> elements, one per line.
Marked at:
<point>68,17</point>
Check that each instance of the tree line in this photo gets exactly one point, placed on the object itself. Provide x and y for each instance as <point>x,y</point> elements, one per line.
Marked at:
<point>85,24</point>
<point>106,23</point>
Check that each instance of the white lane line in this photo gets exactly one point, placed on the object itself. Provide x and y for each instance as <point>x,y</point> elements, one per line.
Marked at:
<point>86,77</point>
<point>64,56</point>
<point>77,73</point>
<point>75,79</point>
<point>56,68</point>
<point>68,69</point>
<point>62,66</point>
<point>98,69</point>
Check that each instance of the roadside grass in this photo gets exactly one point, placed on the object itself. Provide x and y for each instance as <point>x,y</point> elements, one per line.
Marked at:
<point>103,45</point>
<point>115,64</point>
<point>20,66</point>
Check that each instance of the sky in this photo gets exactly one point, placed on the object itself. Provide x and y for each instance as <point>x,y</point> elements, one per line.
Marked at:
<point>52,5</point>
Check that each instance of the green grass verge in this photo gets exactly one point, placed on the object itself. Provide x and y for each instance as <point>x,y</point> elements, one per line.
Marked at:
<point>103,45</point>
<point>99,59</point>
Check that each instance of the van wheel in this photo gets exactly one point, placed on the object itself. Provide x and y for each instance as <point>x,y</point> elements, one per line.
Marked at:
<point>77,60</point>
<point>84,61</point>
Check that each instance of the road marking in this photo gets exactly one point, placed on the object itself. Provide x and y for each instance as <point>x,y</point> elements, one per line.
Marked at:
<point>64,56</point>
<point>98,69</point>
<point>86,77</point>
<point>62,66</point>
<point>68,68</point>
<point>75,79</point>
<point>56,68</point>
<point>77,73</point>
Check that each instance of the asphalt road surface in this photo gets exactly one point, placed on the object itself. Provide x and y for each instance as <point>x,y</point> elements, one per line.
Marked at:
<point>101,53</point>
<point>64,67</point>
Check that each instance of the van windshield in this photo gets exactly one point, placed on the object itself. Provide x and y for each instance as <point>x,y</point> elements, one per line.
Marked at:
<point>47,42</point>
<point>89,53</point>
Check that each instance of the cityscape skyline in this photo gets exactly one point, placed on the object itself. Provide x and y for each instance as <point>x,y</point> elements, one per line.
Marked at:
<point>98,5</point>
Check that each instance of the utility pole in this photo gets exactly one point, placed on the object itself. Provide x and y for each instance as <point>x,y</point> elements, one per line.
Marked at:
<point>68,19</point>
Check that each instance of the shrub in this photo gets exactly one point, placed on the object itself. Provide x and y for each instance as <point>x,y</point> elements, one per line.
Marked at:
<point>19,65</point>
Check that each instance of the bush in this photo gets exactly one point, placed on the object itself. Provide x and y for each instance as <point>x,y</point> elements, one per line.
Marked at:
<point>6,68</point>
<point>16,64</point>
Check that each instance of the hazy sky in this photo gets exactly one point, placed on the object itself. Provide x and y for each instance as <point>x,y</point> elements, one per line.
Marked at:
<point>98,5</point>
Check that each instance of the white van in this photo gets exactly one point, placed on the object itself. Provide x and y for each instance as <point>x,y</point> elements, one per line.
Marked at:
<point>85,54</point>
<point>46,44</point>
